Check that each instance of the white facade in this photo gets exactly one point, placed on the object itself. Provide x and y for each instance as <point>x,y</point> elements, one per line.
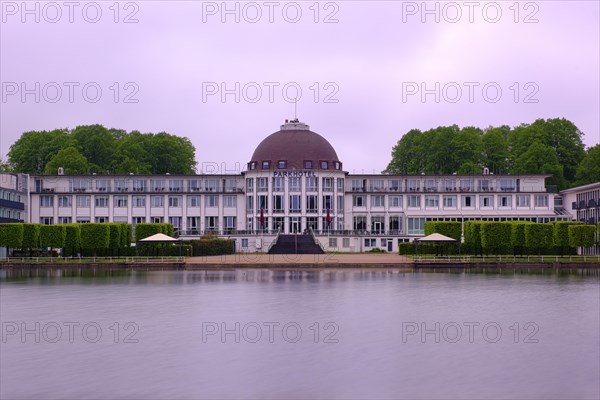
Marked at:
<point>346,212</point>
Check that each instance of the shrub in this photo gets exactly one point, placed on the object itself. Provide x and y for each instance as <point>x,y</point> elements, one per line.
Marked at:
<point>72,239</point>
<point>496,237</point>
<point>582,235</point>
<point>31,236</point>
<point>447,228</point>
<point>213,247</point>
<point>517,236</point>
<point>539,236</point>
<point>95,236</point>
<point>561,233</point>
<point>11,235</point>
<point>473,236</point>
<point>52,236</point>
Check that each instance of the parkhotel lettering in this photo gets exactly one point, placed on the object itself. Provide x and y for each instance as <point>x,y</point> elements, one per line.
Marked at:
<point>294,173</point>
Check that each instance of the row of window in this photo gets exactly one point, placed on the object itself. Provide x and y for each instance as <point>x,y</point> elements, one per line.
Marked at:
<point>294,184</point>
<point>139,184</point>
<point>85,201</point>
<point>10,195</point>
<point>431,184</point>
<point>10,213</point>
<point>450,201</point>
<point>311,203</point>
<point>307,164</point>
<point>193,223</point>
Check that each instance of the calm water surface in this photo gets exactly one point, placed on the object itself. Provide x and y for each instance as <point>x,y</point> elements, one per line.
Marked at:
<point>284,334</point>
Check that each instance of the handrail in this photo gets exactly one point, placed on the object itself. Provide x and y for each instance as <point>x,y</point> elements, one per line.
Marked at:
<point>274,241</point>
<point>310,230</point>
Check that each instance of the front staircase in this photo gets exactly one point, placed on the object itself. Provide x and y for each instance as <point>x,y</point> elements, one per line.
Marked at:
<point>295,244</point>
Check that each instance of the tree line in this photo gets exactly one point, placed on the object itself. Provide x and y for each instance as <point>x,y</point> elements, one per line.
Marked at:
<point>96,149</point>
<point>552,146</point>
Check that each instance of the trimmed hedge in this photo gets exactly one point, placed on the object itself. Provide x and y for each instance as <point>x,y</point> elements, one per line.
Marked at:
<point>412,248</point>
<point>11,234</point>
<point>561,233</point>
<point>473,236</point>
<point>212,246</point>
<point>95,236</point>
<point>496,237</point>
<point>517,236</point>
<point>53,236</point>
<point>539,236</point>
<point>31,236</point>
<point>72,239</point>
<point>144,230</point>
<point>582,235</point>
<point>447,228</point>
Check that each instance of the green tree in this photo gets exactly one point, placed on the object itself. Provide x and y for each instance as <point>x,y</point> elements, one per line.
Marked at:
<point>407,155</point>
<point>52,236</point>
<point>539,236</point>
<point>31,236</point>
<point>496,237</point>
<point>540,159</point>
<point>30,153</point>
<point>588,170</point>
<point>4,167</point>
<point>97,145</point>
<point>72,238</point>
<point>495,151</point>
<point>11,235</point>
<point>70,159</point>
<point>95,236</point>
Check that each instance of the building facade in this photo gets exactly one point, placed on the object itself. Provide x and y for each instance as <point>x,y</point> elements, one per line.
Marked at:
<point>583,203</point>
<point>294,183</point>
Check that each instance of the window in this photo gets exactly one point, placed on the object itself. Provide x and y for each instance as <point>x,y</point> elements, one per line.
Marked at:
<point>175,201</point>
<point>244,243</point>
<point>64,201</point>
<point>308,164</point>
<point>83,201</point>
<point>358,201</point>
<point>430,185</point>
<point>346,242</point>
<point>46,201</point>
<point>507,185</point>
<point>81,185</point>
<point>212,201</point>
<point>340,185</point>
<point>505,201</point>
<point>328,184</point>
<point>449,201</point>
<point>46,220</point>
<point>158,185</point>
<point>176,222</point>
<point>262,184</point>
<point>432,201</point>
<point>193,201</point>
<point>139,185</point>
<point>278,203</point>
<point>486,201</point>
<point>295,203</point>
<point>281,164</point>
<point>311,184</point>
<point>101,220</point>
<point>120,201</point>
<point>103,185</point>
<point>413,185</point>
<point>101,201</point>
<point>65,220</point>
<point>377,201</point>
<point>311,203</point>
<point>396,201</point>
<point>295,184</point>
<point>278,184</point>
<point>265,164</point>
<point>414,201</point>
<point>370,242</point>
<point>252,166</point>
<point>157,201</point>
<point>465,185</point>
<point>211,223</point>
<point>157,220</point>
<point>176,185</point>
<point>450,185</point>
<point>377,224</point>
<point>484,185</point>
<point>229,201</point>
<point>468,201</point>
<point>337,165</point>
<point>359,223</point>
<point>327,203</point>
<point>139,201</point>
<point>523,200</point>
<point>121,185</point>
<point>395,223</point>
<point>263,203</point>
<point>324,164</point>
<point>212,185</point>
<point>340,203</point>
<point>358,185</point>
<point>249,185</point>
<point>541,200</point>
<point>229,223</point>
<point>333,243</point>
<point>416,226</point>
<point>249,204</point>
<point>376,185</point>
<point>394,185</point>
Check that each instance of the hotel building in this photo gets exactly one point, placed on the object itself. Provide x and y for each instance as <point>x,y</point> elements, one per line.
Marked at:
<point>294,183</point>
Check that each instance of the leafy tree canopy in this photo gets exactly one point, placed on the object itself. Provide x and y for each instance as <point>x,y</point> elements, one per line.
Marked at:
<point>96,149</point>
<point>552,146</point>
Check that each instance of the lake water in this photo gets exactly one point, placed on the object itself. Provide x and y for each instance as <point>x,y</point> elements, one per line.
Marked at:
<point>298,334</point>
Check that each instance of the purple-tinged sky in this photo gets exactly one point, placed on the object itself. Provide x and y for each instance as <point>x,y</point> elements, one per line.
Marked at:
<point>368,71</point>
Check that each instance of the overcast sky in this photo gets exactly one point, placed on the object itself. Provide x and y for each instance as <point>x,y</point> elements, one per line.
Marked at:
<point>368,71</point>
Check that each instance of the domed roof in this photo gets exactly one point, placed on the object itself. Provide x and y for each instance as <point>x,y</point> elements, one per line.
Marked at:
<point>292,147</point>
